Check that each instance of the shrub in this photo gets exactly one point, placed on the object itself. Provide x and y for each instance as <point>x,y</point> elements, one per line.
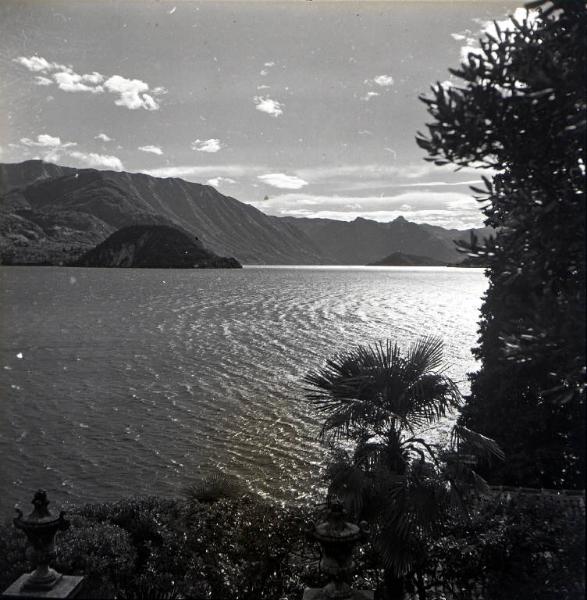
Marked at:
<point>514,546</point>
<point>101,551</point>
<point>518,546</point>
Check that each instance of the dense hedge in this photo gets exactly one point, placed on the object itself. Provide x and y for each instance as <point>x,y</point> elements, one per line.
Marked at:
<point>245,549</point>
<point>155,548</point>
<point>515,545</point>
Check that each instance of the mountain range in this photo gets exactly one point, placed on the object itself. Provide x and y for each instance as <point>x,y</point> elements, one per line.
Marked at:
<point>53,214</point>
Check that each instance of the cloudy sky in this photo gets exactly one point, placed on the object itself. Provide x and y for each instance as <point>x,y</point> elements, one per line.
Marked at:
<point>301,108</point>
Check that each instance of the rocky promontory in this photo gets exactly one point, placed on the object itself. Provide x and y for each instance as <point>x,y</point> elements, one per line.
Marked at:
<point>155,247</point>
<point>400,259</point>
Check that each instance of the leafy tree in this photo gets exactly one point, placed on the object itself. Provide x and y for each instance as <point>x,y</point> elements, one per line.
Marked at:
<point>519,109</point>
<point>381,400</point>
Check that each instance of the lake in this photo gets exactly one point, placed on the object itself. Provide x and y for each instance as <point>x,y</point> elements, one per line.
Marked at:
<point>121,382</point>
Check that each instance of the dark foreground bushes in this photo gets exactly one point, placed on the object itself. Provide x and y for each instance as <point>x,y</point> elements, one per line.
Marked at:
<point>155,548</point>
<point>516,546</point>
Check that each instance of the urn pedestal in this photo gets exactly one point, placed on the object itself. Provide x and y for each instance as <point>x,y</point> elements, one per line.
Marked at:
<point>40,528</point>
<point>337,538</point>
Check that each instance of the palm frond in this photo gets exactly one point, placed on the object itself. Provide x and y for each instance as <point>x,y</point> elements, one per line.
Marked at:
<point>345,415</point>
<point>432,397</point>
<point>424,355</point>
<point>466,440</point>
<point>376,385</point>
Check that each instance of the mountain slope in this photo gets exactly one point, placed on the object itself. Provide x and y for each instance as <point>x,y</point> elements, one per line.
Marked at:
<point>106,201</point>
<point>52,214</point>
<point>17,175</point>
<point>363,241</point>
<point>153,246</point>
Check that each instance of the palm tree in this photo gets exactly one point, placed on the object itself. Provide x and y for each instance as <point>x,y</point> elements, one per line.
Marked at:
<point>379,401</point>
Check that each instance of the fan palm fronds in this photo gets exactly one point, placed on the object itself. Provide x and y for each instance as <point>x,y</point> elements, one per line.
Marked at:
<point>464,439</point>
<point>378,398</point>
<point>374,387</point>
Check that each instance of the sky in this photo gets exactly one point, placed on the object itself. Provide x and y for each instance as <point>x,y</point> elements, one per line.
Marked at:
<point>303,108</point>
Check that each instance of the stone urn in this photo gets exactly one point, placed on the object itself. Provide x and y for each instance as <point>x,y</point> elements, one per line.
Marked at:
<point>40,528</point>
<point>337,538</point>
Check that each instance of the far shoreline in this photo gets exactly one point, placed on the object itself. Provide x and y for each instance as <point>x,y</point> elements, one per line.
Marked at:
<point>265,266</point>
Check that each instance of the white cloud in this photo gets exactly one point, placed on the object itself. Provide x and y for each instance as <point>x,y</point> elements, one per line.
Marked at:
<point>46,141</point>
<point>262,87</point>
<point>269,106</point>
<point>369,95</point>
<point>367,178</point>
<point>216,181</point>
<point>91,159</point>
<point>151,149</point>
<point>94,78</point>
<point>132,93</point>
<point>383,171</point>
<point>427,184</point>
<point>40,80</point>
<point>36,64</point>
<point>149,103</point>
<point>265,71</point>
<point>212,145</point>
<point>68,81</point>
<point>203,171</point>
<point>103,137</point>
<point>54,150</point>
<point>383,80</point>
<point>282,181</point>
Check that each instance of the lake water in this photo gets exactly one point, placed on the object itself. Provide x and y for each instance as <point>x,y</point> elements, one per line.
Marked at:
<point>120,382</point>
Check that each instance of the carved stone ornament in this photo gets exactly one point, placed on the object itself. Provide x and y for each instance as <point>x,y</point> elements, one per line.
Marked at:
<point>337,538</point>
<point>40,528</point>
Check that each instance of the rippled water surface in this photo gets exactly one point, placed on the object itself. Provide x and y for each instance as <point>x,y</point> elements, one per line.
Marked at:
<point>119,382</point>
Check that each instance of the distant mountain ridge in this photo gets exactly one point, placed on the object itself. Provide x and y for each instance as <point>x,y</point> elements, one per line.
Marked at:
<point>400,259</point>
<point>363,241</point>
<point>53,214</point>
